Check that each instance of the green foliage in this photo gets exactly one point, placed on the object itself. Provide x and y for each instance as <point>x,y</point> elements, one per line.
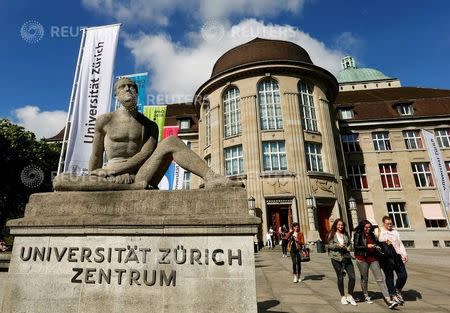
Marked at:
<point>20,150</point>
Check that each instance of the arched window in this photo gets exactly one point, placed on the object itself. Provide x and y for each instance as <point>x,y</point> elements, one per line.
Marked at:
<point>307,107</point>
<point>269,105</point>
<point>231,112</point>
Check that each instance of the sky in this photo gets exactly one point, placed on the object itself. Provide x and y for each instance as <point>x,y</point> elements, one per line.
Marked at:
<point>178,41</point>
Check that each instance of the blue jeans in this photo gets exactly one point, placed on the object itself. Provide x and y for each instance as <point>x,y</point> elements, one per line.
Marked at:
<point>402,276</point>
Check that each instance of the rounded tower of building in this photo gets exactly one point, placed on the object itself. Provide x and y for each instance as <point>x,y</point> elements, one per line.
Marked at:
<point>266,117</point>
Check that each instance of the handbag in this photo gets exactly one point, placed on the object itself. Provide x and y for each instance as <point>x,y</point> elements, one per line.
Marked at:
<point>305,254</point>
<point>289,246</point>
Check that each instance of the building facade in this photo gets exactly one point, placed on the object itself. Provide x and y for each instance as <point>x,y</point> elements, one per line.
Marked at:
<point>266,118</point>
<point>388,166</point>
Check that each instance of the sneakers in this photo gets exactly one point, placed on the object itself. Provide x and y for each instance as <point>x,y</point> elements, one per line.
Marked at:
<point>368,300</point>
<point>351,300</point>
<point>395,298</point>
<point>392,304</point>
<point>399,297</point>
<point>344,300</point>
<point>295,279</point>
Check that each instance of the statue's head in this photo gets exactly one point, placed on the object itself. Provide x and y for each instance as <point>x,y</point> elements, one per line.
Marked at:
<point>126,92</point>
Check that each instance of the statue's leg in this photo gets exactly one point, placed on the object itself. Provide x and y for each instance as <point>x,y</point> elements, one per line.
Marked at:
<point>172,148</point>
<point>71,182</point>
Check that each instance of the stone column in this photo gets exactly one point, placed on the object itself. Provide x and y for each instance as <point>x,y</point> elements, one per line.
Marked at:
<point>295,141</point>
<point>252,152</point>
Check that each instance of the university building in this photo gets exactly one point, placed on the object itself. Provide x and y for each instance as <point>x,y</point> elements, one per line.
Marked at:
<point>388,167</point>
<point>311,147</point>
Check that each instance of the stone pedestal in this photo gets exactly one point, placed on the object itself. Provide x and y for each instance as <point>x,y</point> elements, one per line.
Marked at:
<point>133,251</point>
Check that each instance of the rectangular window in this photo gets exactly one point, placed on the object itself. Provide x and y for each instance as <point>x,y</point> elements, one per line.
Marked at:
<point>185,123</point>
<point>187,180</point>
<point>397,212</point>
<point>307,107</point>
<point>409,243</point>
<point>365,212</point>
<point>443,137</point>
<point>313,157</point>
<point>405,109</point>
<point>350,142</point>
<point>208,160</point>
<point>422,174</point>
<point>447,166</point>
<point>357,176</point>
<point>346,114</point>
<point>274,156</point>
<point>234,161</point>
<point>413,140</point>
<point>433,215</point>
<point>381,141</point>
<point>389,176</point>
<point>208,127</point>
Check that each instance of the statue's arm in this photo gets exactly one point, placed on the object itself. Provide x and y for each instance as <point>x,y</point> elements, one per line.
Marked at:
<point>96,160</point>
<point>133,164</point>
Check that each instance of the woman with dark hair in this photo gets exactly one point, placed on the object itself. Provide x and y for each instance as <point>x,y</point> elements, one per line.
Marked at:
<point>284,241</point>
<point>296,240</point>
<point>365,244</point>
<point>338,242</point>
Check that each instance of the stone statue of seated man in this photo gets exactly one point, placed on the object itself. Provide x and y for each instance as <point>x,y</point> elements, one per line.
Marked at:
<point>135,158</point>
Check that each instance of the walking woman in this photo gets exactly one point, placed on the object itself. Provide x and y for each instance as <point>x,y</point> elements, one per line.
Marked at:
<point>366,258</point>
<point>296,240</point>
<point>338,242</point>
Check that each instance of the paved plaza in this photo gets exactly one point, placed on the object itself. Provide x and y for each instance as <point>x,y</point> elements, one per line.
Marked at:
<point>427,289</point>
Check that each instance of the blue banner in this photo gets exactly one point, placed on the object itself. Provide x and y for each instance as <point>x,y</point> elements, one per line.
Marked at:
<point>141,81</point>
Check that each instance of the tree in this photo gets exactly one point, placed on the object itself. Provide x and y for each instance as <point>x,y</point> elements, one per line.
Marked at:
<point>27,165</point>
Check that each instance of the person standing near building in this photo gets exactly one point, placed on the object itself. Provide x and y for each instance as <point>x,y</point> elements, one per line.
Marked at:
<point>284,241</point>
<point>391,236</point>
<point>338,243</point>
<point>272,236</point>
<point>269,241</point>
<point>365,242</point>
<point>296,240</point>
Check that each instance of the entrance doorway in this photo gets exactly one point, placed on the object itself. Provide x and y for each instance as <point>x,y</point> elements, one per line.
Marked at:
<point>323,219</point>
<point>279,215</point>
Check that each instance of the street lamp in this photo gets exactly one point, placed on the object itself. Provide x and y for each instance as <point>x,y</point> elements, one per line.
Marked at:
<point>309,201</point>
<point>251,205</point>
<point>311,217</point>
<point>352,207</point>
<point>352,203</point>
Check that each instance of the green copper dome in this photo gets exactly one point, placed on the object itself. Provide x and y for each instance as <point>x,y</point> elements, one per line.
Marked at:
<point>350,73</point>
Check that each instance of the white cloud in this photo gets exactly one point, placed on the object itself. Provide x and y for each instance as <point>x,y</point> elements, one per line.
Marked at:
<point>42,123</point>
<point>178,69</point>
<point>348,42</point>
<point>160,11</point>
